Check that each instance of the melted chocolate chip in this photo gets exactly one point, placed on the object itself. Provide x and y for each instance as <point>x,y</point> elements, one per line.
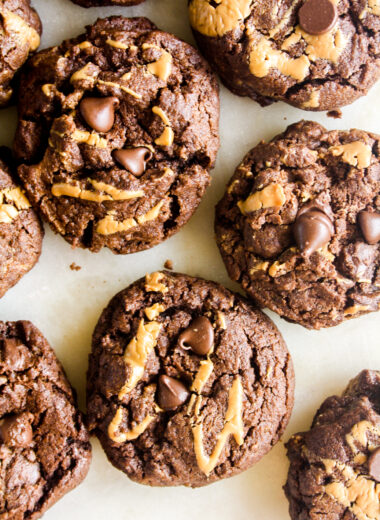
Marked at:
<point>374,465</point>
<point>171,393</point>
<point>99,113</point>
<point>199,336</point>
<point>16,430</point>
<point>14,354</point>
<point>312,230</point>
<point>370,226</point>
<point>133,159</point>
<point>317,16</point>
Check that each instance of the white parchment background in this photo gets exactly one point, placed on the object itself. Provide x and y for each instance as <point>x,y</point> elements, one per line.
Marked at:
<point>66,304</point>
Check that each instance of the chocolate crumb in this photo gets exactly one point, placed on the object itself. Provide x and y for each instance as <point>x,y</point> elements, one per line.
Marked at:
<point>168,264</point>
<point>336,114</point>
<point>75,267</point>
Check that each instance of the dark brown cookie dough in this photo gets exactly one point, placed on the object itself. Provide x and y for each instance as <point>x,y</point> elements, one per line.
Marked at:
<point>273,50</point>
<point>20,35</point>
<point>44,447</point>
<point>188,383</point>
<point>335,467</point>
<point>118,131</point>
<point>21,232</point>
<point>97,3</point>
<point>299,224</point>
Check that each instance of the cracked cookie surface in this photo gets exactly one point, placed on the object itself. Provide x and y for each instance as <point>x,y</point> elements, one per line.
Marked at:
<point>260,50</point>
<point>20,35</point>
<point>21,232</point>
<point>44,447</point>
<point>334,467</point>
<point>100,3</point>
<point>117,133</point>
<point>188,383</point>
<point>314,184</point>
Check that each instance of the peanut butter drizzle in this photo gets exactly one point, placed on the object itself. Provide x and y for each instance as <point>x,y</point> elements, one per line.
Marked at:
<point>121,87</point>
<point>21,31</point>
<point>154,310</point>
<point>233,426</point>
<point>117,44</point>
<point>167,136</point>
<point>108,225</point>
<point>137,352</point>
<point>202,376</point>
<point>90,138</point>
<point>111,193</point>
<point>15,201</point>
<point>153,282</point>
<point>163,66</point>
<point>272,196</point>
<point>217,21</point>
<point>358,435</point>
<point>356,154</point>
<point>313,101</point>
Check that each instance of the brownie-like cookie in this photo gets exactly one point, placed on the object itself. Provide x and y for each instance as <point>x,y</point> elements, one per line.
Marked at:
<point>100,3</point>
<point>313,54</point>
<point>21,232</point>
<point>118,130</point>
<point>44,447</point>
<point>20,35</point>
<point>335,467</point>
<point>188,383</point>
<point>299,224</point>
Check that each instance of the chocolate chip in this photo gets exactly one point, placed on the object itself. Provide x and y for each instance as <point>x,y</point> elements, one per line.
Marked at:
<point>370,226</point>
<point>312,229</point>
<point>16,430</point>
<point>133,159</point>
<point>171,393</point>
<point>13,354</point>
<point>374,465</point>
<point>317,16</point>
<point>199,336</point>
<point>99,113</point>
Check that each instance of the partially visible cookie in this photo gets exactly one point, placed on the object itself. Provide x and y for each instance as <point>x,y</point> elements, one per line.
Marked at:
<point>188,383</point>
<point>44,447</point>
<point>118,131</point>
<point>20,35</point>
<point>21,232</point>
<point>99,3</point>
<point>335,466</point>
<point>313,54</point>
<point>299,224</point>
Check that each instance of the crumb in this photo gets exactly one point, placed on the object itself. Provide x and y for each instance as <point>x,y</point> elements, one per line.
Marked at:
<point>285,118</point>
<point>336,114</point>
<point>168,264</point>
<point>75,267</point>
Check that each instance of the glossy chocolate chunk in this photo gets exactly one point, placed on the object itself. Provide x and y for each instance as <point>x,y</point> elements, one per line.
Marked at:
<point>369,223</point>
<point>317,16</point>
<point>312,230</point>
<point>374,465</point>
<point>133,159</point>
<point>99,113</point>
<point>13,354</point>
<point>16,430</point>
<point>171,393</point>
<point>199,336</point>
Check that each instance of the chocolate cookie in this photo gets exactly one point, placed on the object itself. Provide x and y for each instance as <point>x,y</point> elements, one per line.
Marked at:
<point>20,35</point>
<point>21,232</point>
<point>313,54</point>
<point>188,383</point>
<point>299,224</point>
<point>335,467</point>
<point>97,3</point>
<point>44,447</point>
<point>118,131</point>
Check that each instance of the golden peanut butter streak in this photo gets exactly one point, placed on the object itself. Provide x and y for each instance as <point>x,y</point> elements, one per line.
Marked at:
<point>110,193</point>
<point>12,201</point>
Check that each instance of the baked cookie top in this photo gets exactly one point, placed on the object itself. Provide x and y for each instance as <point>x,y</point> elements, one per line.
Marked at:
<point>335,466</point>
<point>44,447</point>
<point>188,383</point>
<point>117,132</point>
<point>313,54</point>
<point>20,35</point>
<point>299,224</point>
<point>21,232</point>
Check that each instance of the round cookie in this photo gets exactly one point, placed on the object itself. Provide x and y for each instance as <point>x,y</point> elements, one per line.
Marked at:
<point>44,447</point>
<point>20,35</point>
<point>100,3</point>
<point>313,54</point>
<point>335,466</point>
<point>117,132</point>
<point>21,232</point>
<point>299,224</point>
<point>188,383</point>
